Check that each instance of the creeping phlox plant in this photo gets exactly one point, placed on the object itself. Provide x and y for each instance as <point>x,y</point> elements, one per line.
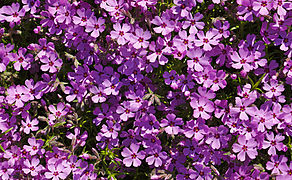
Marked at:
<point>145,89</point>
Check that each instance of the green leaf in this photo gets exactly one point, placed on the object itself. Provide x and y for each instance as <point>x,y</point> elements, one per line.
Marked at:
<point>258,82</point>
<point>2,148</point>
<point>59,124</point>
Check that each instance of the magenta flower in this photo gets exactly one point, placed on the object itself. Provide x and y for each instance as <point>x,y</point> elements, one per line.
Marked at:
<point>34,146</point>
<point>111,87</point>
<point>193,23</point>
<point>202,107</point>
<point>56,172</point>
<point>172,124</point>
<point>132,156</point>
<point>6,170</point>
<point>206,40</point>
<point>32,167</point>
<point>29,125</point>
<point>156,156</point>
<point>242,60</point>
<point>64,15</point>
<point>157,52</point>
<point>83,16</point>
<point>273,143</point>
<point>263,6</point>
<point>198,59</point>
<point>242,108</point>
<point>121,33</point>
<point>245,147</point>
<point>94,26</point>
<point>78,91</point>
<point>274,89</point>
<point>58,113</point>
<point>77,138</point>
<point>277,165</point>
<point>165,25</point>
<point>140,39</point>
<point>51,63</point>
<point>171,79</point>
<point>127,110</point>
<point>12,13</point>
<point>18,94</point>
<point>22,59</point>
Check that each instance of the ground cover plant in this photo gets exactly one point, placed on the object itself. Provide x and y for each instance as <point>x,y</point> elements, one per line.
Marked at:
<point>145,89</point>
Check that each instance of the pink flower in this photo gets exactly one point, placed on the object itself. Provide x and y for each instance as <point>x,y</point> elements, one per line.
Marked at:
<point>133,156</point>
<point>121,33</point>
<point>33,167</point>
<point>56,172</point>
<point>245,147</point>
<point>206,40</point>
<point>274,143</point>
<point>51,63</point>
<point>18,94</point>
<point>29,125</point>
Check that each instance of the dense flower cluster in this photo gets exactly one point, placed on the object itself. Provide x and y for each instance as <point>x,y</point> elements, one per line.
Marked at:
<point>185,89</point>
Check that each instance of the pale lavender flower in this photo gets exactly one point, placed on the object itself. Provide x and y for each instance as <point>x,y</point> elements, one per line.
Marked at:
<point>32,166</point>
<point>121,33</point>
<point>206,40</point>
<point>245,147</point>
<point>156,156</point>
<point>29,125</point>
<point>132,156</point>
<point>51,63</point>
<point>277,165</point>
<point>171,124</point>
<point>273,143</point>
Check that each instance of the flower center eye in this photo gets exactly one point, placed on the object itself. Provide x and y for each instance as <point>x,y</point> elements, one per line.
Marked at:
<point>273,89</point>
<point>140,39</point>
<point>264,3</point>
<point>67,13</point>
<point>217,136</point>
<point>285,40</point>
<point>17,96</point>
<point>20,59</point>
<point>96,26</point>
<point>51,63</point>
<point>242,61</point>
<point>183,6</point>
<point>15,14</point>
<point>242,108</point>
<point>28,125</point>
<point>121,33</point>
<point>156,155</point>
<point>127,111</point>
<point>56,173</point>
<point>84,19</point>
<point>58,113</point>
<point>216,81</point>
<point>134,156</point>
<point>244,148</point>
<point>195,59</point>
<point>113,86</point>
<point>205,40</point>
<point>186,41</point>
<point>262,120</point>
<point>34,148</point>
<point>273,143</point>
<point>201,109</point>
<point>163,25</point>
<point>32,168</point>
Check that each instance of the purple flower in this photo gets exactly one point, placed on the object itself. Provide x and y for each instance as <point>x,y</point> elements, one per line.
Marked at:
<point>83,16</point>
<point>111,131</point>
<point>22,59</point>
<point>51,63</point>
<point>157,52</point>
<point>95,26</point>
<point>245,147</point>
<point>171,79</point>
<point>140,39</point>
<point>202,107</point>
<point>121,33</point>
<point>64,15</point>
<point>242,108</point>
<point>263,6</point>
<point>206,40</point>
<point>77,138</point>
<point>12,13</point>
<point>18,94</point>
<point>5,170</point>
<point>243,60</point>
<point>78,91</point>
<point>218,137</point>
<point>111,86</point>
<point>274,143</point>
<point>195,129</point>
<point>164,23</point>
<point>193,23</point>
<point>34,146</point>
<point>56,172</point>
<point>29,125</point>
<point>172,124</point>
<point>58,113</point>
<point>132,156</point>
<point>277,165</point>
<point>127,110</point>
<point>198,60</point>
<point>156,156</point>
<point>99,96</point>
<point>32,166</point>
